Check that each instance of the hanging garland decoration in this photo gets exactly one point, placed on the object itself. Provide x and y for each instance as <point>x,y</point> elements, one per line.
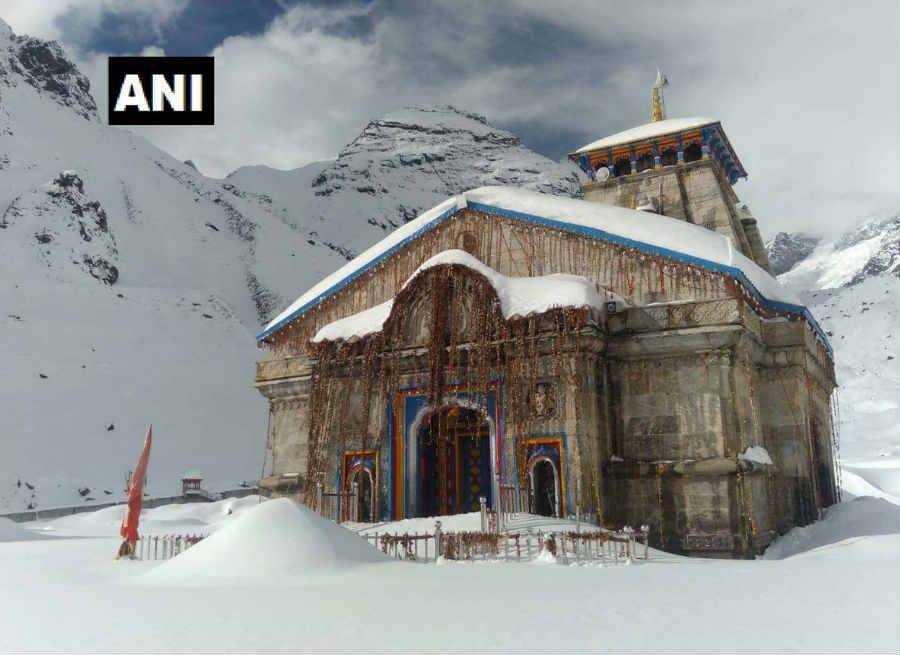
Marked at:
<point>519,345</point>
<point>567,253</point>
<point>660,467</point>
<point>808,516</point>
<point>745,500</point>
<point>753,417</point>
<point>626,276</point>
<point>836,443</point>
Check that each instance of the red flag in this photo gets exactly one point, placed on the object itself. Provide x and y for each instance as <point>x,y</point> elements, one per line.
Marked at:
<point>129,529</point>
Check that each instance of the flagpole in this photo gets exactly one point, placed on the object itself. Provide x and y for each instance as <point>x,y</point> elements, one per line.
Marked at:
<point>129,529</point>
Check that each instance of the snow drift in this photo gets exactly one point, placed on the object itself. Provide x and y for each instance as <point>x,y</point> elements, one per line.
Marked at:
<point>276,541</point>
<point>865,516</point>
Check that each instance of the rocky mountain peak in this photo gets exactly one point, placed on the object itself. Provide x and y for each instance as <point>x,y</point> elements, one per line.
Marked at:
<point>424,154</point>
<point>869,230</point>
<point>72,228</point>
<point>870,250</point>
<point>788,249</point>
<point>45,66</point>
<point>882,241</point>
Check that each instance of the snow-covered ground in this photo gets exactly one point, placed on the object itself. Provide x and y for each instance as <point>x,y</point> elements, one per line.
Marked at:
<point>273,577</point>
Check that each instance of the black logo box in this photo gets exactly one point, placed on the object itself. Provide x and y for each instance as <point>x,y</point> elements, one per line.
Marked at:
<point>145,68</point>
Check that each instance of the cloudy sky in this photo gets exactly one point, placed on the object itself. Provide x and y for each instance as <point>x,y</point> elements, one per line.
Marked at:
<point>807,91</point>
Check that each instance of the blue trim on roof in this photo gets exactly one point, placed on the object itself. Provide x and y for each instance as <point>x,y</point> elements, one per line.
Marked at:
<point>591,232</point>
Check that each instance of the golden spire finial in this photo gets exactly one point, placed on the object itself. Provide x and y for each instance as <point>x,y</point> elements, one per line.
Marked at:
<point>657,103</point>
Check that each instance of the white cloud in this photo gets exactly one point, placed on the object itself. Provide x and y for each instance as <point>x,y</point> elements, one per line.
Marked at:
<point>806,91</point>
<point>41,18</point>
<point>284,98</point>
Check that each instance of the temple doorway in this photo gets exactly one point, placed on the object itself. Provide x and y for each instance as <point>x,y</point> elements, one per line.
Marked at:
<point>365,494</point>
<point>544,482</point>
<point>454,467</point>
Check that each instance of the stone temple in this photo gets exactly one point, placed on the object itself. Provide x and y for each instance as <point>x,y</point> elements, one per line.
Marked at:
<point>628,356</point>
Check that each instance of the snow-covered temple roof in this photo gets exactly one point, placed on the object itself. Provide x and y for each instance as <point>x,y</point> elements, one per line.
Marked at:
<point>651,233</point>
<point>656,136</point>
<point>519,296</point>
<point>647,131</point>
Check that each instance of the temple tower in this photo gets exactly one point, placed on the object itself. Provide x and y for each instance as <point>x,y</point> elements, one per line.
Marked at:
<point>680,167</point>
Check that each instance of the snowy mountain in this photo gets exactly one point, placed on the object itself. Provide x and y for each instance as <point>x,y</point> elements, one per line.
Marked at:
<point>852,285</point>
<point>786,250</point>
<point>400,165</point>
<point>135,285</point>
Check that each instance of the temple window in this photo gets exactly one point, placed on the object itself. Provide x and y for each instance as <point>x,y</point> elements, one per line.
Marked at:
<point>622,167</point>
<point>669,157</point>
<point>645,162</point>
<point>693,153</point>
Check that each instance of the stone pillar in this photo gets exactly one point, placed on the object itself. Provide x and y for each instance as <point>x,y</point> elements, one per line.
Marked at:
<point>754,238</point>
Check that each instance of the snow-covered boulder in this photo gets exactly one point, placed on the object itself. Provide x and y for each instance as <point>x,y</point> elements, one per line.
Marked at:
<point>865,516</point>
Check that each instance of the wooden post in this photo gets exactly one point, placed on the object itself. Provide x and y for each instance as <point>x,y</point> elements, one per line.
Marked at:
<point>319,498</point>
<point>438,550</point>
<point>483,504</point>
<point>354,508</point>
